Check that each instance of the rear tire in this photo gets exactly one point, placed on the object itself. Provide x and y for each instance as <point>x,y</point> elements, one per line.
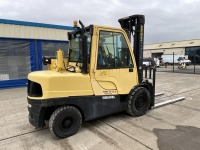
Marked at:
<point>139,101</point>
<point>65,121</point>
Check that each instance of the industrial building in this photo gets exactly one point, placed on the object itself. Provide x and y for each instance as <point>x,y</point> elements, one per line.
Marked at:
<point>22,45</point>
<point>188,47</point>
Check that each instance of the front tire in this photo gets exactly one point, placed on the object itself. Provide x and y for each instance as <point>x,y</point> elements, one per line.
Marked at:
<point>65,121</point>
<point>139,101</point>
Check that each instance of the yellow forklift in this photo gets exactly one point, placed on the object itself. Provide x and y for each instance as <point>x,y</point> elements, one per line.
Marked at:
<point>100,75</point>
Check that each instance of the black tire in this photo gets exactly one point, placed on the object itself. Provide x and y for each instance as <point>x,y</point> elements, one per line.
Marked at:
<point>65,121</point>
<point>139,101</point>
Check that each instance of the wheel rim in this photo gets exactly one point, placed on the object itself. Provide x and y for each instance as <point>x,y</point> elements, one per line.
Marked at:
<point>140,102</point>
<point>67,123</point>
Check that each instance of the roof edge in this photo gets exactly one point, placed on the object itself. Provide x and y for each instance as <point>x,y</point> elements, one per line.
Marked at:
<point>173,42</point>
<point>26,23</point>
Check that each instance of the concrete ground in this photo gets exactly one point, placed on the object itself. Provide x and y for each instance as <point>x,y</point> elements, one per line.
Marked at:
<point>175,126</point>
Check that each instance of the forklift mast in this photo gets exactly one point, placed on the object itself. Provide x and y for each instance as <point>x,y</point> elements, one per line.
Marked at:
<point>135,25</point>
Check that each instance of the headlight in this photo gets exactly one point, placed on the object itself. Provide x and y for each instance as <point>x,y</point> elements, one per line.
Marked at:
<point>29,105</point>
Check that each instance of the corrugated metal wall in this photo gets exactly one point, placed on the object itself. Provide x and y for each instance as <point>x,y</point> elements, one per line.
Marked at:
<point>22,45</point>
<point>31,32</point>
<point>181,44</point>
<point>177,47</point>
<point>18,57</point>
<point>179,51</point>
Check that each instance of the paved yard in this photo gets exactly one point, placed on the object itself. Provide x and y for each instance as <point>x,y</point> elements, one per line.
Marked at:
<point>175,126</point>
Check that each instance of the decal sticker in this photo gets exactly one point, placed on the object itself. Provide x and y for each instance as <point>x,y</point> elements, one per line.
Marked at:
<point>108,97</point>
<point>110,92</point>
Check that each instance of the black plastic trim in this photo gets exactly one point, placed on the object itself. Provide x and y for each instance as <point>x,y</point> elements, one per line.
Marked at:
<point>134,25</point>
<point>91,107</point>
<point>34,89</point>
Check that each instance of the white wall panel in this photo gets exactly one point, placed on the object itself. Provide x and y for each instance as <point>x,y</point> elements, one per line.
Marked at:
<point>20,31</point>
<point>188,43</point>
<point>178,51</point>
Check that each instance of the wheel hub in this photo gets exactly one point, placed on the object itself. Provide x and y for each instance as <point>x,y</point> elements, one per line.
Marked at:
<point>67,123</point>
<point>140,103</point>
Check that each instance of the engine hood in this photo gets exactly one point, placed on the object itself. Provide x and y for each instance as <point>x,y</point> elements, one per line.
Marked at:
<point>61,84</point>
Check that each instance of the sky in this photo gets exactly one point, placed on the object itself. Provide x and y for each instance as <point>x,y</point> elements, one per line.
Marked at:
<point>166,20</point>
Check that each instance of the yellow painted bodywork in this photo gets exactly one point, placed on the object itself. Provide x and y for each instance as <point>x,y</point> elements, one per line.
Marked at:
<point>61,83</point>
<point>111,81</point>
<point>60,60</point>
<point>53,65</point>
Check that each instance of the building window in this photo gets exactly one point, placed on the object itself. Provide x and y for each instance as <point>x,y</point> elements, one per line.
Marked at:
<point>193,53</point>
<point>14,59</point>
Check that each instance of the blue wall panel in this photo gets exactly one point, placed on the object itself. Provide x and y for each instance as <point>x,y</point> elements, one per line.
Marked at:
<point>12,83</point>
<point>35,61</point>
<point>34,24</point>
<point>32,55</point>
<point>39,52</point>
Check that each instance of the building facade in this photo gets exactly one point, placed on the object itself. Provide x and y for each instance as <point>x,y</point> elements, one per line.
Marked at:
<point>189,47</point>
<point>22,45</point>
